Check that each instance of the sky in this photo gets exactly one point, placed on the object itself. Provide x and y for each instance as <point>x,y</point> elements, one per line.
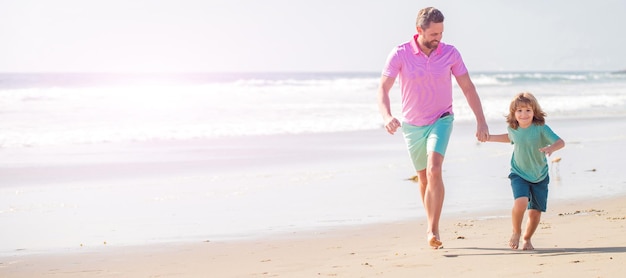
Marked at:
<point>305,35</point>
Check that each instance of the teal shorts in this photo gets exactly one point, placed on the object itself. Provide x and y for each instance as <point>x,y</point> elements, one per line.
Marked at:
<point>422,140</point>
<point>537,193</point>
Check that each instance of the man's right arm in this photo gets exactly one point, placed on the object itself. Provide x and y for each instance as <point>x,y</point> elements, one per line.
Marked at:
<point>391,123</point>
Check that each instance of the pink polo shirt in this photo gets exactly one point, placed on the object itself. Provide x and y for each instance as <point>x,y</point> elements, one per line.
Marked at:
<point>426,82</point>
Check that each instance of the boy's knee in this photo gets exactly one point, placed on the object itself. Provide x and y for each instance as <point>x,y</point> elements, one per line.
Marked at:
<point>534,213</point>
<point>521,203</point>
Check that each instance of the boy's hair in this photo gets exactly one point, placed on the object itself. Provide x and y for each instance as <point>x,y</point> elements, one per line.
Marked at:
<point>525,99</point>
<point>426,16</point>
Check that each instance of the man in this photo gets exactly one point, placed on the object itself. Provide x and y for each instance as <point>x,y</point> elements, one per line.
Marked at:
<point>425,66</point>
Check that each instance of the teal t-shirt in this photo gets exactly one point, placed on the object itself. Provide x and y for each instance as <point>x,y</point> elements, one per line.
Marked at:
<point>527,161</point>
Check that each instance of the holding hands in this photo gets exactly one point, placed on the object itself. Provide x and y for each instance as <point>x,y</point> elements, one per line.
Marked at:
<point>482,132</point>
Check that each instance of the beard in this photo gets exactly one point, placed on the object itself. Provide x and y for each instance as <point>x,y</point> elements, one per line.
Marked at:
<point>431,44</point>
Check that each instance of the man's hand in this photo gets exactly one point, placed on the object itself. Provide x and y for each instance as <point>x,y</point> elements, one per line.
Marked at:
<point>392,125</point>
<point>482,132</point>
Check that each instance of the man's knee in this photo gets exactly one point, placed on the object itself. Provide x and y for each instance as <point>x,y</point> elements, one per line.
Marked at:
<point>434,168</point>
<point>434,172</point>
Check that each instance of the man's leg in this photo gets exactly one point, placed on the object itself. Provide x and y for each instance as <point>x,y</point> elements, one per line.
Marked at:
<point>433,197</point>
<point>423,183</point>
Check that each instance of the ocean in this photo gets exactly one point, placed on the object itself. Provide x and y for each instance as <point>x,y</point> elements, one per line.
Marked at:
<point>93,160</point>
<point>43,109</point>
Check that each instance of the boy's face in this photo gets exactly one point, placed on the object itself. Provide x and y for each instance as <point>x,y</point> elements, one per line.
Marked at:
<point>524,115</point>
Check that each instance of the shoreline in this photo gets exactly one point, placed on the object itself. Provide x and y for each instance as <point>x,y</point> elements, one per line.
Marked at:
<point>238,188</point>
<point>308,205</point>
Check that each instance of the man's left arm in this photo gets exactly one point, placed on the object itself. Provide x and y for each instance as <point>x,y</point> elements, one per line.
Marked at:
<point>469,90</point>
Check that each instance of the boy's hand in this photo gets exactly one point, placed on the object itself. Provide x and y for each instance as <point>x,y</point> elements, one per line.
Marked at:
<point>547,150</point>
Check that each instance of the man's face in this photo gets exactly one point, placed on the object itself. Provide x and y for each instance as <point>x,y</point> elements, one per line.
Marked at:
<point>430,37</point>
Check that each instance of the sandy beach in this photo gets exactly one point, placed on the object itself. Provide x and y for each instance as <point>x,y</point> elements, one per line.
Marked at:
<point>576,239</point>
<point>365,171</point>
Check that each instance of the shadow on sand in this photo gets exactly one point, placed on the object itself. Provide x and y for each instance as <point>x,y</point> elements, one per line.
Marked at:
<point>542,252</point>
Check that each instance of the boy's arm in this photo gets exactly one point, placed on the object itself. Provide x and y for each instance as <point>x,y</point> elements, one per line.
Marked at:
<point>503,138</point>
<point>559,144</point>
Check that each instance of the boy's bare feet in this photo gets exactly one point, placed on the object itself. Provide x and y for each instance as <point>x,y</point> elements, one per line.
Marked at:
<point>527,245</point>
<point>514,241</point>
<point>433,241</point>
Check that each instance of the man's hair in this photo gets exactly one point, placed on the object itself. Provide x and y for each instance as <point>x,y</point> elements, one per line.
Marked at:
<point>426,16</point>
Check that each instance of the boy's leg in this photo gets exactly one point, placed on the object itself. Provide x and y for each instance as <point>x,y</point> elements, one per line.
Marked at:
<point>538,204</point>
<point>517,215</point>
<point>522,195</point>
<point>534,217</point>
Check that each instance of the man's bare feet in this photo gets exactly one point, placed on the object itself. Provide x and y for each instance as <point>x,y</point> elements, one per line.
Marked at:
<point>527,245</point>
<point>433,241</point>
<point>514,241</point>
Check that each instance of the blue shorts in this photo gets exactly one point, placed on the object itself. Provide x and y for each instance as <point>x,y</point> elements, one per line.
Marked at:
<point>422,140</point>
<point>537,193</point>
